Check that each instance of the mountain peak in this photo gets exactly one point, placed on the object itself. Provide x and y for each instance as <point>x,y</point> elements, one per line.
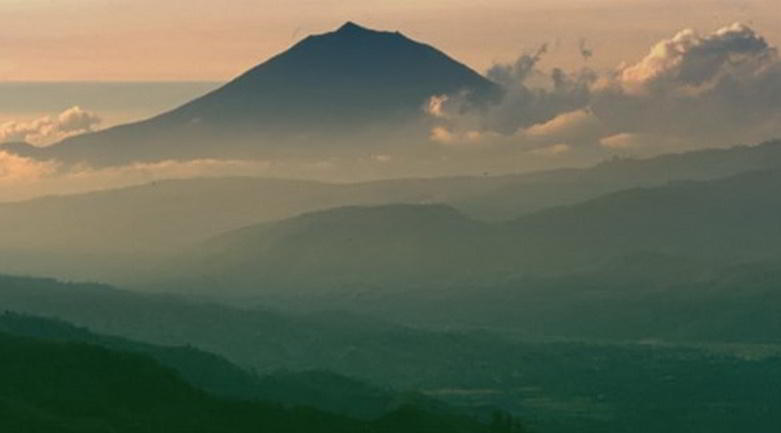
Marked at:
<point>351,27</point>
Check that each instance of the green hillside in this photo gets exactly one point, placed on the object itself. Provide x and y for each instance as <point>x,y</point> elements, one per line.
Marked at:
<point>320,389</point>
<point>73,387</point>
<point>554,385</point>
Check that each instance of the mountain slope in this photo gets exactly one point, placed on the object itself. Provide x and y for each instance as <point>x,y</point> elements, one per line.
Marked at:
<point>324,91</point>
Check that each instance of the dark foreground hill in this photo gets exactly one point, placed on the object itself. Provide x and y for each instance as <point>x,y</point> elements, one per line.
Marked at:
<point>67,387</point>
<point>212,373</point>
<point>556,386</point>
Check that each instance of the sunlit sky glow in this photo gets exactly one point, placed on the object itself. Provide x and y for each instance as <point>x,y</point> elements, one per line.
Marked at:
<point>191,40</point>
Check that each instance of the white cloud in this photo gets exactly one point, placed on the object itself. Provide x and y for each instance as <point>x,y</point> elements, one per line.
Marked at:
<point>47,130</point>
<point>75,119</point>
<point>715,90</point>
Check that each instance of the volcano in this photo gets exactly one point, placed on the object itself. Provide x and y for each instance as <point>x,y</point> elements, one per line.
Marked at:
<point>327,89</point>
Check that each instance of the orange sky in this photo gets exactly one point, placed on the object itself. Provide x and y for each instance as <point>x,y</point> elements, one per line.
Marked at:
<point>141,40</point>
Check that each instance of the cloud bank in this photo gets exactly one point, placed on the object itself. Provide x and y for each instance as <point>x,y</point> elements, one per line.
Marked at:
<point>688,91</point>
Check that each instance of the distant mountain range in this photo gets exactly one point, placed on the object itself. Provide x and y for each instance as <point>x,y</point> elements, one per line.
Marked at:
<point>348,88</point>
<point>355,251</point>
<point>101,235</point>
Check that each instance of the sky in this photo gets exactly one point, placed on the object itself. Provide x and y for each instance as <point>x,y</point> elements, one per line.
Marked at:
<point>115,102</point>
<point>207,40</point>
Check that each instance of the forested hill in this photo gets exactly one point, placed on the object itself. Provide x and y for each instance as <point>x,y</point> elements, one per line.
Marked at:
<point>320,389</point>
<point>50,387</point>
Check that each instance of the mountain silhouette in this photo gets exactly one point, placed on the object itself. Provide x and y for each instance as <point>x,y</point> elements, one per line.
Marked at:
<point>323,89</point>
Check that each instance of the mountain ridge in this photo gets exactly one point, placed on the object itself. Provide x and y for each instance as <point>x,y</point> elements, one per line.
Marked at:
<point>94,236</point>
<point>393,248</point>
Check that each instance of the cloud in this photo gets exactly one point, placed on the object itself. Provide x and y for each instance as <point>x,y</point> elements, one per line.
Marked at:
<point>554,150</point>
<point>464,139</point>
<point>688,91</point>
<point>690,62</point>
<point>715,90</point>
<point>75,119</point>
<point>436,106</point>
<point>623,141</point>
<point>573,126</point>
<point>48,130</point>
<point>441,134</point>
<point>519,71</point>
<point>520,105</point>
<point>15,168</point>
<point>22,178</point>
